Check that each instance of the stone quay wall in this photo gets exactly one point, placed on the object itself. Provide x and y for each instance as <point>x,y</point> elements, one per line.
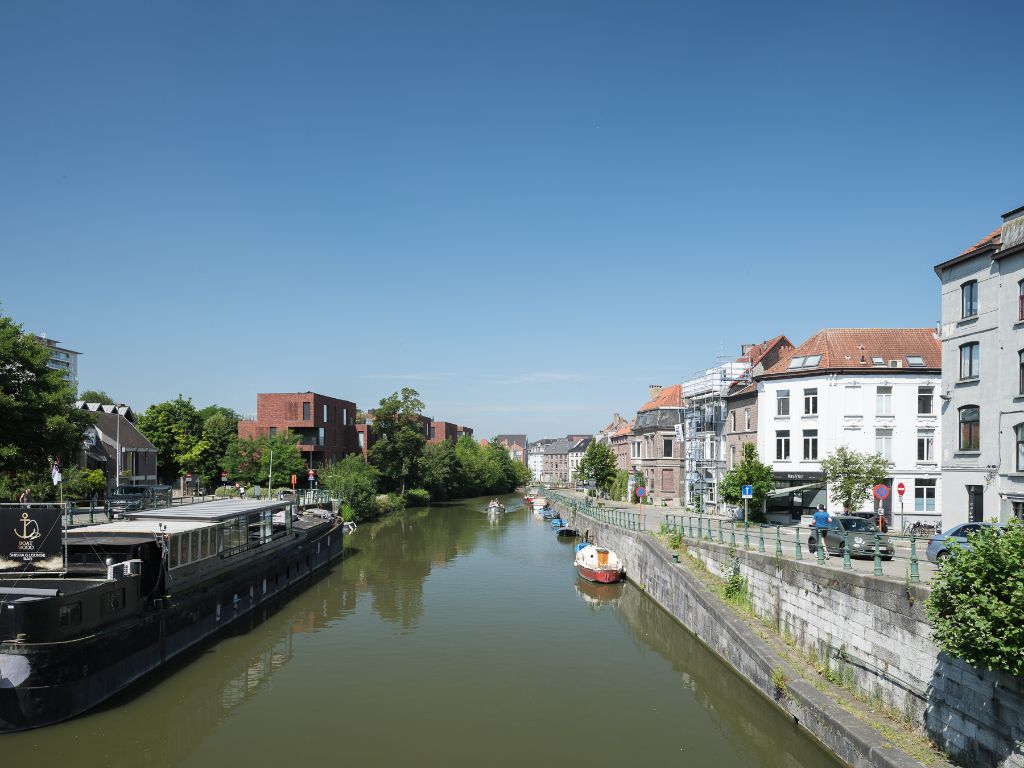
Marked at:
<point>872,630</point>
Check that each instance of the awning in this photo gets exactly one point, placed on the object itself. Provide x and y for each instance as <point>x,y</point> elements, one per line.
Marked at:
<point>784,491</point>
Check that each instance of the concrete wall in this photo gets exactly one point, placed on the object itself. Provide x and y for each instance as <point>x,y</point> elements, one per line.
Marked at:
<point>876,628</point>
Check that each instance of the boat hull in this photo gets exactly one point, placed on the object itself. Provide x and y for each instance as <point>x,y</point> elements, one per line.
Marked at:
<point>600,575</point>
<point>45,683</point>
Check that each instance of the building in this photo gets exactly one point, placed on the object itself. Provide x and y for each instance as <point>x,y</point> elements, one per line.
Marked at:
<point>61,359</point>
<point>441,431</point>
<point>621,443</point>
<point>576,455</point>
<point>462,432</point>
<point>535,457</point>
<point>741,397</point>
<point>326,426</point>
<point>517,446</point>
<point>605,435</point>
<point>870,389</point>
<point>114,445</point>
<point>983,378</point>
<point>556,462</point>
<point>655,449</point>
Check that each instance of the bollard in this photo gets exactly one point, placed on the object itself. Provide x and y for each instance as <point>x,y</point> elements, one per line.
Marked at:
<point>732,534</point>
<point>914,574</point>
<point>878,556</point>
<point>700,529</point>
<point>721,538</point>
<point>689,523</point>
<point>818,549</point>
<point>760,538</point>
<point>799,554</point>
<point>847,565</point>
<point>92,510</point>
<point>675,557</point>
<point>778,541</point>
<point>746,535</point>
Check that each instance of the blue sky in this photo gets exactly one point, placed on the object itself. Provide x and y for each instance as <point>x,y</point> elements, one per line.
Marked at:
<point>528,211</point>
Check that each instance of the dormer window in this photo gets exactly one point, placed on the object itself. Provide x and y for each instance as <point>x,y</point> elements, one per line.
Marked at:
<point>915,361</point>
<point>878,360</point>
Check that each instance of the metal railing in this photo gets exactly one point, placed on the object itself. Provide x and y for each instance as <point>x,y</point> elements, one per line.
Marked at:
<point>622,518</point>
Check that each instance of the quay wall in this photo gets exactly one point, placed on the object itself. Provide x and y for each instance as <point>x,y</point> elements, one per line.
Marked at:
<point>872,631</point>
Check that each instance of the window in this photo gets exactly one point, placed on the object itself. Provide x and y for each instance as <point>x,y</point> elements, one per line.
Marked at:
<point>883,443</point>
<point>320,436</point>
<point>970,428</point>
<point>305,411</point>
<point>325,413</point>
<point>667,448</point>
<point>970,355</point>
<point>924,495</point>
<point>732,456</point>
<point>1020,372</point>
<point>1019,432</point>
<point>362,440</point>
<point>975,504</point>
<point>924,400</point>
<point>746,419</point>
<point>811,401</point>
<point>344,416</point>
<point>1018,509</point>
<point>782,402</point>
<point>878,361</point>
<point>71,615</point>
<point>273,432</point>
<point>782,445</point>
<point>926,445</point>
<point>667,483</point>
<point>733,421</point>
<point>1020,300</point>
<point>810,445</point>
<point>809,361</point>
<point>635,452</point>
<point>112,601</point>
<point>883,399</point>
<point>969,299</point>
<point>915,361</point>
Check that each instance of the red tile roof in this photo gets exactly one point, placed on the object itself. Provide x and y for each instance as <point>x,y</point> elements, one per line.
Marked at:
<point>669,397</point>
<point>844,348</point>
<point>993,238</point>
<point>625,429</point>
<point>758,351</point>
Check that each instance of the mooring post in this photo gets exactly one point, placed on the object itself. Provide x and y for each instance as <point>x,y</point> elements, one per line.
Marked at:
<point>799,554</point>
<point>914,573</point>
<point>878,555</point>
<point>847,565</point>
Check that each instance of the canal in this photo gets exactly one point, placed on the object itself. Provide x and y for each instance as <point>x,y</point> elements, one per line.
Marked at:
<point>444,638</point>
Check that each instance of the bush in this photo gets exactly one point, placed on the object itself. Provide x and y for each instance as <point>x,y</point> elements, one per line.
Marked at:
<point>226,492</point>
<point>417,497</point>
<point>346,513</point>
<point>389,502</point>
<point>977,600</point>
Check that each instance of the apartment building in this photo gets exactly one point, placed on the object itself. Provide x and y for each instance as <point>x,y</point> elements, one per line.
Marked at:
<point>326,426</point>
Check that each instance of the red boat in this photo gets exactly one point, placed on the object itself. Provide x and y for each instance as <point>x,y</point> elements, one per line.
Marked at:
<point>598,564</point>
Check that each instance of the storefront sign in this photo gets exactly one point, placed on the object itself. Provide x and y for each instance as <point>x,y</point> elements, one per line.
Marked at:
<point>31,539</point>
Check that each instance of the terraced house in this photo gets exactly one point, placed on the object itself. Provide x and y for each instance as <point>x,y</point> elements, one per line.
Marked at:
<point>655,451</point>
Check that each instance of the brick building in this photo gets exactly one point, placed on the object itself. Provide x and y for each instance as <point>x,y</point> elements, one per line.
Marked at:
<point>741,398</point>
<point>326,426</point>
<point>517,446</point>
<point>443,430</point>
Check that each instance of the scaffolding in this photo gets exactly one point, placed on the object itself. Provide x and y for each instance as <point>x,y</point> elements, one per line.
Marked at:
<point>704,422</point>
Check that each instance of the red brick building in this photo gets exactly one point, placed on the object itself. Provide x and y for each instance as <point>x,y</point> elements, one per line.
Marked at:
<point>443,430</point>
<point>326,426</point>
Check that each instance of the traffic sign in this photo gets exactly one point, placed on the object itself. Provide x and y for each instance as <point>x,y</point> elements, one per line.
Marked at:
<point>881,492</point>
<point>312,474</point>
<point>747,491</point>
<point>901,488</point>
<point>294,479</point>
<point>640,491</point>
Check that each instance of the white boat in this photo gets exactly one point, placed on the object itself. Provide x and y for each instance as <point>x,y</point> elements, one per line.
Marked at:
<point>495,507</point>
<point>598,564</point>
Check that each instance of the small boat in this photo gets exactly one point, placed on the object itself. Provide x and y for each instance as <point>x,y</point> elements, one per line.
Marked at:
<point>567,532</point>
<point>598,564</point>
<point>495,507</point>
<point>557,522</point>
<point>349,526</point>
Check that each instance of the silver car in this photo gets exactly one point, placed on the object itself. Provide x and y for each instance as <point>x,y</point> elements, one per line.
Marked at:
<point>860,534</point>
<point>942,545</point>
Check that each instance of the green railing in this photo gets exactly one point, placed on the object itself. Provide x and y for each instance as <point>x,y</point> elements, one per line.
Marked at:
<point>790,541</point>
<point>622,518</point>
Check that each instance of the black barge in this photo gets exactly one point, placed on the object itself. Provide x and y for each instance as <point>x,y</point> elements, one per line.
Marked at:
<point>135,593</point>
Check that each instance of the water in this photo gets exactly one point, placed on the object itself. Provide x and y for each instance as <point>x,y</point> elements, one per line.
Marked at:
<point>445,639</point>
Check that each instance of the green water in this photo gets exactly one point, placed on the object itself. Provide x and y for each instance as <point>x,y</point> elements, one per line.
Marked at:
<point>444,639</point>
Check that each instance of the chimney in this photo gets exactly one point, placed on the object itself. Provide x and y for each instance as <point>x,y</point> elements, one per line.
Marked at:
<point>654,389</point>
<point>1012,232</point>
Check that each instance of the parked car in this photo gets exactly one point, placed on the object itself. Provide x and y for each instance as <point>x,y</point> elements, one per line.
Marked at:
<point>940,547</point>
<point>286,495</point>
<point>131,498</point>
<point>860,534</point>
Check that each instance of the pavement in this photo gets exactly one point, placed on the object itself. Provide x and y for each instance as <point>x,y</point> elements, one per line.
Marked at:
<point>653,517</point>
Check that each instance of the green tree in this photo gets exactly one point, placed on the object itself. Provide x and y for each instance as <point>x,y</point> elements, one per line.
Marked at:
<point>438,469</point>
<point>398,429</point>
<point>248,461</point>
<point>220,431</point>
<point>176,429</point>
<point>620,485</point>
<point>749,471</point>
<point>598,464</point>
<point>850,476</point>
<point>355,481</point>
<point>976,603</point>
<point>37,406</point>
<point>97,396</point>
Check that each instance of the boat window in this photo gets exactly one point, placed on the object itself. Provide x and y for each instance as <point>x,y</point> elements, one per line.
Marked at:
<point>112,601</point>
<point>202,543</point>
<point>174,543</point>
<point>71,615</point>
<point>194,553</point>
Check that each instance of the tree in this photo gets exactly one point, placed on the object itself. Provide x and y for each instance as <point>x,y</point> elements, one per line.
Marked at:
<point>175,428</point>
<point>355,481</point>
<point>438,468</point>
<point>619,486</point>
<point>248,461</point>
<point>598,464</point>
<point>37,405</point>
<point>398,429</point>
<point>850,476</point>
<point>97,396</point>
<point>977,600</point>
<point>220,431</point>
<point>749,471</point>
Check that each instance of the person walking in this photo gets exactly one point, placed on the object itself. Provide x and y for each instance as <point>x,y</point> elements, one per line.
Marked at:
<point>821,523</point>
<point>25,497</point>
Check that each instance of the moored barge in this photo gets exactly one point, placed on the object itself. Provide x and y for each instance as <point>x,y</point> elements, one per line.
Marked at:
<point>137,592</point>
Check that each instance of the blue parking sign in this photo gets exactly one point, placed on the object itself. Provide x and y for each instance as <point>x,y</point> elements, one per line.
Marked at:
<point>747,491</point>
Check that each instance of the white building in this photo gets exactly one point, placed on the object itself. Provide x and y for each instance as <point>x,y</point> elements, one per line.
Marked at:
<point>983,377</point>
<point>873,390</point>
<point>535,458</point>
<point>61,359</point>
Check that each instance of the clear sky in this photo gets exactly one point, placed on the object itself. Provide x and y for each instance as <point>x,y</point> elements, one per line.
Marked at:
<point>528,211</point>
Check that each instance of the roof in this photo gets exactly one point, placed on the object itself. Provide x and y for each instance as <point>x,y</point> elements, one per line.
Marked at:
<point>561,445</point>
<point>581,445</point>
<point>625,429</point>
<point>855,349</point>
<point>135,528</point>
<point>122,409</point>
<point>739,390</point>
<point>125,434</point>
<point>669,397</point>
<point>209,510</point>
<point>509,439</point>
<point>757,352</point>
